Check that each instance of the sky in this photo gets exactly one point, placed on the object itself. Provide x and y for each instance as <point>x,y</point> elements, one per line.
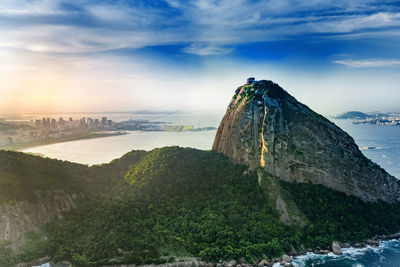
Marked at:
<point>190,55</point>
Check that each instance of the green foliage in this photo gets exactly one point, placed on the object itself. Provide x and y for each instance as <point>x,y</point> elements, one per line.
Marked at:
<point>337,216</point>
<point>185,202</point>
<point>7,257</point>
<point>22,174</point>
<point>195,202</point>
<point>34,248</point>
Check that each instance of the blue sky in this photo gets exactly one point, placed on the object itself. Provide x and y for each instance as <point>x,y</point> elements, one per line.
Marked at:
<point>63,56</point>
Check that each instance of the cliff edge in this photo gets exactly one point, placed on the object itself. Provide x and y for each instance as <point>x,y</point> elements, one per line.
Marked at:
<point>265,126</point>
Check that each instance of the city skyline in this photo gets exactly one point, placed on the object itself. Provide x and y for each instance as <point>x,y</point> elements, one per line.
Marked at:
<point>86,56</point>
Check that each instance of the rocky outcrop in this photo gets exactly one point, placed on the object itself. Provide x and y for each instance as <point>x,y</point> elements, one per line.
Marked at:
<point>18,218</point>
<point>337,250</point>
<point>265,126</point>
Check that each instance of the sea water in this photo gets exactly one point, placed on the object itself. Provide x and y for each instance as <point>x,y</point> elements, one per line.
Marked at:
<point>387,254</point>
<point>383,141</point>
<point>103,150</point>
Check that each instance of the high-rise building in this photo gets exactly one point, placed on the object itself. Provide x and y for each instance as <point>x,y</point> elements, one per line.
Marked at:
<point>61,122</point>
<point>90,122</point>
<point>53,123</point>
<point>104,120</point>
<point>38,123</point>
<point>82,122</point>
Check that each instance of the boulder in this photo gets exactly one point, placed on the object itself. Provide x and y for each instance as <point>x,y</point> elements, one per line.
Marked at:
<point>373,243</point>
<point>337,250</point>
<point>264,263</point>
<point>287,258</point>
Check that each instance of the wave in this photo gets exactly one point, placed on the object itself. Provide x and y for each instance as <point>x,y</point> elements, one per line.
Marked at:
<point>354,257</point>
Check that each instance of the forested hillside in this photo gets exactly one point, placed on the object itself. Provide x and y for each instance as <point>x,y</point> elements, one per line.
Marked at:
<point>184,202</point>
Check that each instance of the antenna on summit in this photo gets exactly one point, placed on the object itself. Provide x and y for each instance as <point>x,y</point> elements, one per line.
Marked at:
<point>251,80</point>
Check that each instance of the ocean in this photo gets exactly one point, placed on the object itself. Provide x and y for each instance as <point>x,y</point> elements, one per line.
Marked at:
<point>387,254</point>
<point>379,143</point>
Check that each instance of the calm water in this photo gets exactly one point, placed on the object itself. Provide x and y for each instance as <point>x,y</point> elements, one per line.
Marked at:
<point>385,139</point>
<point>103,150</point>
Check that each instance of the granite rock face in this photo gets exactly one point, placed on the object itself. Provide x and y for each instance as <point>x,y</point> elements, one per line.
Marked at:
<point>265,126</point>
<point>18,218</point>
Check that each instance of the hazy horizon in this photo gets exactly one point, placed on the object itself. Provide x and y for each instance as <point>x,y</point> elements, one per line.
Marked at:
<point>85,56</point>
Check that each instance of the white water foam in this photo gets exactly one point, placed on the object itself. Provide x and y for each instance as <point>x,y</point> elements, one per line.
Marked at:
<point>350,253</point>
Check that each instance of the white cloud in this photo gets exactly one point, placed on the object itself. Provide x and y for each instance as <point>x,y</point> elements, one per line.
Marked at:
<point>369,63</point>
<point>109,13</point>
<point>207,50</point>
<point>27,7</point>
<point>219,24</point>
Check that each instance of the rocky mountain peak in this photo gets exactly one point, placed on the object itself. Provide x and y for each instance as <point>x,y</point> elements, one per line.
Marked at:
<point>264,126</point>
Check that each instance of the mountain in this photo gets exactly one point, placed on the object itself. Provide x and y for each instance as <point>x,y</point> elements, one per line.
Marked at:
<point>354,115</point>
<point>280,179</point>
<point>264,126</point>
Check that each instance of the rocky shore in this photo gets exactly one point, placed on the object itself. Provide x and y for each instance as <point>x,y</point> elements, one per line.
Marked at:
<point>285,260</point>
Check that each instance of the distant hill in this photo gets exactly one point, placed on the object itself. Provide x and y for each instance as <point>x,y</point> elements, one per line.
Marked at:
<point>353,115</point>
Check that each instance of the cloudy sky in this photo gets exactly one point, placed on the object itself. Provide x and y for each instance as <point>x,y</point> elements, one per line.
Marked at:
<point>79,56</point>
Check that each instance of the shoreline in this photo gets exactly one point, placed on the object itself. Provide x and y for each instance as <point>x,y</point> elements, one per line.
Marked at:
<point>20,146</point>
<point>284,260</point>
<point>372,243</point>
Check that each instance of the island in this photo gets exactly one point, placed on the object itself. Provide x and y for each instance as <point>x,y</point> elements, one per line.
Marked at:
<point>376,118</point>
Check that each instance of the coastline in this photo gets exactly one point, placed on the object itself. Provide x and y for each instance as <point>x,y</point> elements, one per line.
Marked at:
<point>50,141</point>
<point>284,260</point>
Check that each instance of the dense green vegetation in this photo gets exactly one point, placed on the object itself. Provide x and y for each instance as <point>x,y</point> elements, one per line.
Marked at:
<point>336,216</point>
<point>185,202</point>
<point>7,258</point>
<point>22,174</point>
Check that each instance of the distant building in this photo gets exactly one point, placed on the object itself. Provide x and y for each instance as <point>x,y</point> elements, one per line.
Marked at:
<point>61,122</point>
<point>82,122</point>
<point>38,123</point>
<point>104,120</point>
<point>90,121</point>
<point>109,122</point>
<point>53,123</point>
<point>251,80</point>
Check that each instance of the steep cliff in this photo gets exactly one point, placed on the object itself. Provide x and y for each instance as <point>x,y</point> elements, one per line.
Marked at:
<point>21,217</point>
<point>265,126</point>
